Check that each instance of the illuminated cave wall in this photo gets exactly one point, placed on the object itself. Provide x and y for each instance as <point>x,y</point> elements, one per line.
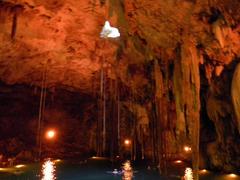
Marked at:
<point>173,67</point>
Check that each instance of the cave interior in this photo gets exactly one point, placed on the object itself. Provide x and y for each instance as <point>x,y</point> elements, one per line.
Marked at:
<point>169,82</point>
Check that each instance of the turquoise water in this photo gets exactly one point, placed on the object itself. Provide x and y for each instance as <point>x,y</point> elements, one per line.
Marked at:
<point>92,169</point>
<point>96,169</point>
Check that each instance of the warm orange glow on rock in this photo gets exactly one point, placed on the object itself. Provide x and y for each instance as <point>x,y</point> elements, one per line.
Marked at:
<point>218,70</point>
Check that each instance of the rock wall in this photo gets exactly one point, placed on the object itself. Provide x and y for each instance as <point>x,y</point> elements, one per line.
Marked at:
<point>70,114</point>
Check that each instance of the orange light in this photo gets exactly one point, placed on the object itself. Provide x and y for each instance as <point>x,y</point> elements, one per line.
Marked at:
<point>232,175</point>
<point>187,149</point>
<point>127,142</point>
<point>57,160</point>
<point>20,166</point>
<point>203,171</point>
<point>178,161</point>
<point>50,134</point>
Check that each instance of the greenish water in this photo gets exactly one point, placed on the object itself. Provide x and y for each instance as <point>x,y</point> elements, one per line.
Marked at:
<point>96,169</point>
<point>92,169</point>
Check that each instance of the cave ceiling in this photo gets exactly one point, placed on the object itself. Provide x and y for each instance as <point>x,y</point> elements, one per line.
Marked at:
<point>63,37</point>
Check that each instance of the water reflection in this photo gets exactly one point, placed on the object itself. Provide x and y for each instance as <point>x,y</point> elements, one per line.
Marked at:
<point>127,171</point>
<point>48,170</point>
<point>188,174</point>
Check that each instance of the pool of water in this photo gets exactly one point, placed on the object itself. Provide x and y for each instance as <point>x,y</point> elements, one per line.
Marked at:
<point>98,169</point>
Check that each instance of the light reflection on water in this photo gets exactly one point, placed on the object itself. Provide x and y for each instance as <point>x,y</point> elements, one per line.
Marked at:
<point>127,171</point>
<point>188,174</point>
<point>96,169</point>
<point>48,170</point>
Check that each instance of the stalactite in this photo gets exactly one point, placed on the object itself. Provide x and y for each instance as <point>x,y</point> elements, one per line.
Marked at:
<point>99,127</point>
<point>118,116</point>
<point>111,110</point>
<point>190,88</point>
<point>134,132</point>
<point>98,139</point>
<point>235,93</point>
<point>216,109</point>
<point>117,7</point>
<point>104,112</point>
<point>113,119</point>
<point>13,10</point>
<point>155,136</point>
<point>101,112</point>
<point>178,93</point>
<point>102,105</point>
<point>218,32</point>
<point>5,10</point>
<point>142,144</point>
<point>102,2</point>
<point>153,133</point>
<point>161,114</point>
<point>14,25</point>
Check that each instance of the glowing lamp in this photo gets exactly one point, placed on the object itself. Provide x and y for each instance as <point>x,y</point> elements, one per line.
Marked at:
<point>178,161</point>
<point>127,142</point>
<point>57,160</point>
<point>50,134</point>
<point>203,171</point>
<point>109,32</point>
<point>187,149</point>
<point>20,166</point>
<point>97,157</point>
